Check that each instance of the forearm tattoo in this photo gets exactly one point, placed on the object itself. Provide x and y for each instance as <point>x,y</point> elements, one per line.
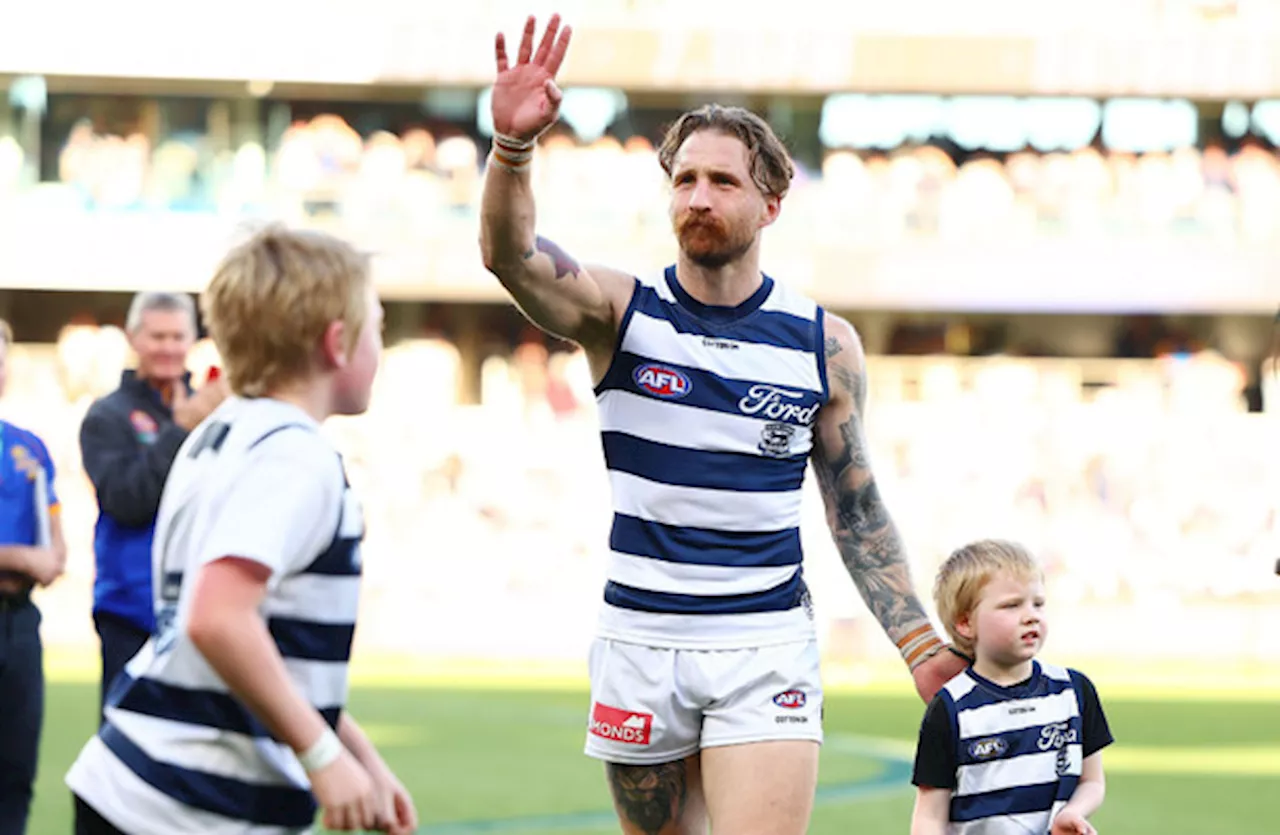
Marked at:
<point>868,541</point>
<point>650,797</point>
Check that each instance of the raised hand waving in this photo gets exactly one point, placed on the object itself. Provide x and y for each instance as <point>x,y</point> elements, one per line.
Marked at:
<point>526,100</point>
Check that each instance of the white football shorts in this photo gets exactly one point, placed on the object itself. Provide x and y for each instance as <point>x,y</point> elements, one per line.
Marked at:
<point>653,705</point>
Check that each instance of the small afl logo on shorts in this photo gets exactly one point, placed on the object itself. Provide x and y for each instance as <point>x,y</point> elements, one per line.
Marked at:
<point>625,726</point>
<point>661,381</point>
<point>791,699</point>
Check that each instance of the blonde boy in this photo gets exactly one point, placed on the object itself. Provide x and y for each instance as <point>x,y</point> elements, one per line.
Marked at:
<point>1011,746</point>
<point>230,719</point>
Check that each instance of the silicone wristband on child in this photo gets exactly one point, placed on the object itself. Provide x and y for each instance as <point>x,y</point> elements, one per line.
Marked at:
<point>323,753</point>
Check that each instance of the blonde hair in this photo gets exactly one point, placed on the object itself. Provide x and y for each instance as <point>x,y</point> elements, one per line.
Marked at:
<point>6,333</point>
<point>273,297</point>
<point>966,573</point>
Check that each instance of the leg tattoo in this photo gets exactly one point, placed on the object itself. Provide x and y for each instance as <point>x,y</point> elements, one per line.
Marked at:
<point>649,796</point>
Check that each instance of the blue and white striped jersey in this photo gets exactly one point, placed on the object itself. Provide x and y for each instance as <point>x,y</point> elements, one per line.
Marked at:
<point>1012,756</point>
<point>706,417</point>
<point>178,752</point>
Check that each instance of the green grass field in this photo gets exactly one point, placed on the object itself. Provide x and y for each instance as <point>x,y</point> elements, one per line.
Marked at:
<point>489,760</point>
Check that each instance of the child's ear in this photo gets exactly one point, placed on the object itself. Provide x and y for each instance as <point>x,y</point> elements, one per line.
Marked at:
<point>333,345</point>
<point>964,626</point>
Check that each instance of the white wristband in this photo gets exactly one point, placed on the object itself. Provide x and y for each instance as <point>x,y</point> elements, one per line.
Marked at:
<point>514,144</point>
<point>325,750</point>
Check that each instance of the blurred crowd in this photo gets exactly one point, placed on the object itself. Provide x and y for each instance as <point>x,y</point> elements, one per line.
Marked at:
<point>323,171</point>
<point>1138,479</point>
<point>1142,483</point>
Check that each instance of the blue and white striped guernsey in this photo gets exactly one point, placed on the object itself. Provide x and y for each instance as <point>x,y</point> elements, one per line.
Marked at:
<point>706,417</point>
<point>178,753</point>
<point>1019,759</point>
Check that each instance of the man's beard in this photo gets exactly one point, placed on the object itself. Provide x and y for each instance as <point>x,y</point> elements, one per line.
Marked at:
<point>708,242</point>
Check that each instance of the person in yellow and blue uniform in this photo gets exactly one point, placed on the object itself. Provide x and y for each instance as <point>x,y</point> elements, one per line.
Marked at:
<point>32,553</point>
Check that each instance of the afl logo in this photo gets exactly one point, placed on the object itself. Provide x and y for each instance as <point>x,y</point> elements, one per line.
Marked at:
<point>791,699</point>
<point>661,381</point>
<point>989,748</point>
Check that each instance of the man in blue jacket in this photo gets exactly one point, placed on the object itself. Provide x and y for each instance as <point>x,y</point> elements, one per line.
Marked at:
<point>128,441</point>
<point>32,552</point>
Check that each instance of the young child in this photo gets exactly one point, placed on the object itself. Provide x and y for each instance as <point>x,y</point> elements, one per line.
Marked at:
<point>1011,746</point>
<point>231,718</point>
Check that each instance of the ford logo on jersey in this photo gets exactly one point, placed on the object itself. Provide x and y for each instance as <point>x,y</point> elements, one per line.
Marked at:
<point>661,381</point>
<point>791,699</point>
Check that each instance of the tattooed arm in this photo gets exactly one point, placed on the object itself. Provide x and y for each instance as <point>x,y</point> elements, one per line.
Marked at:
<point>864,533</point>
<point>559,295</point>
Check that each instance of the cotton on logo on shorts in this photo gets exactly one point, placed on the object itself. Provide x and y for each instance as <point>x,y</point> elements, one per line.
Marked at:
<point>621,725</point>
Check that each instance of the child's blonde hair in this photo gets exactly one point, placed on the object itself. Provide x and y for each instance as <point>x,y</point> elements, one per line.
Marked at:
<point>966,573</point>
<point>271,300</point>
